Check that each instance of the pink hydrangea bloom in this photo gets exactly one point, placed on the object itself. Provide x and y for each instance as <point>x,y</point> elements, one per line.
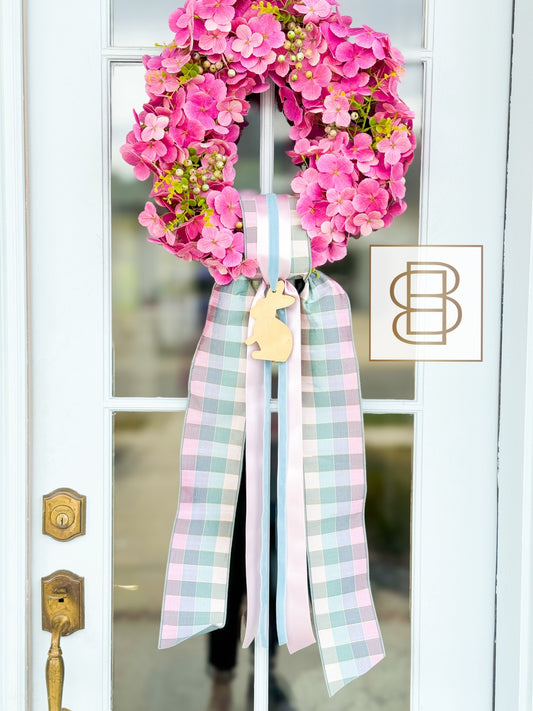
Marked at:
<point>361,147</point>
<point>151,220</point>
<point>235,251</point>
<point>340,202</point>
<point>215,241</point>
<point>214,41</point>
<point>155,127</point>
<point>334,172</point>
<point>230,110</point>
<point>175,62</point>
<point>282,66</point>
<point>309,81</point>
<point>141,169</point>
<point>246,41</point>
<point>353,58</point>
<point>336,110</point>
<point>188,251</point>
<point>181,22</point>
<point>157,82</point>
<point>314,10</point>
<point>247,268</point>
<point>218,271</point>
<point>368,38</point>
<point>227,205</point>
<point>187,132</point>
<point>291,108</point>
<point>319,250</point>
<point>202,108</point>
<point>217,14</point>
<point>370,196</point>
<point>304,179</point>
<point>397,181</point>
<point>368,222</point>
<point>311,211</point>
<point>314,45</point>
<point>337,250</point>
<point>258,65</point>
<point>394,147</point>
<point>337,145</point>
<point>270,30</point>
<point>153,150</point>
<point>329,229</point>
<point>340,26</point>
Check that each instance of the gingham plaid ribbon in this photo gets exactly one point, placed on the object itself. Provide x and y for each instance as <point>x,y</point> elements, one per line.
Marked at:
<point>333,463</point>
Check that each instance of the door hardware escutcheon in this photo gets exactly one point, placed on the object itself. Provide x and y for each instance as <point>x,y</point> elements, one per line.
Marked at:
<point>64,514</point>
<point>63,613</point>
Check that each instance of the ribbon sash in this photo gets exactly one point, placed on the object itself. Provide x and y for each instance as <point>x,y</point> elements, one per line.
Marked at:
<point>211,463</point>
<point>321,469</point>
<point>335,487</point>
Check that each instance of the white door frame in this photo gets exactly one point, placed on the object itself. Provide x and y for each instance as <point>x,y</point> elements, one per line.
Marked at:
<point>514,638</point>
<point>515,585</point>
<point>13,365</point>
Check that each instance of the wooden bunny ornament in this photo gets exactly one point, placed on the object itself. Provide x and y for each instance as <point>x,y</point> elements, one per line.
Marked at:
<point>272,335</point>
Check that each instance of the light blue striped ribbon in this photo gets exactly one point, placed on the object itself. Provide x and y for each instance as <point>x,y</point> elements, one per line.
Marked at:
<point>273,270</point>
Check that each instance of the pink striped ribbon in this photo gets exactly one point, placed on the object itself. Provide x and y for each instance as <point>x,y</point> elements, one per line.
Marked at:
<point>294,620</point>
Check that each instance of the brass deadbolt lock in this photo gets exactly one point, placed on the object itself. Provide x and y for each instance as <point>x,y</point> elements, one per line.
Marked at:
<point>64,514</point>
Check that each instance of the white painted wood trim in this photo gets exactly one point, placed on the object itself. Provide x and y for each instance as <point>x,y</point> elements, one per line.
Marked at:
<point>69,439</point>
<point>514,632</point>
<point>135,54</point>
<point>13,365</point>
<point>179,404</point>
<point>266,177</point>
<point>455,463</point>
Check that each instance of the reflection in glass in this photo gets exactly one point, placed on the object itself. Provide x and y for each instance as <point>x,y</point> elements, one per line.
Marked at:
<point>403,20</point>
<point>140,24</point>
<point>146,479</point>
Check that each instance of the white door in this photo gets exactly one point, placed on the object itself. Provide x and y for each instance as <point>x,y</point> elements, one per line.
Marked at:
<point>113,327</point>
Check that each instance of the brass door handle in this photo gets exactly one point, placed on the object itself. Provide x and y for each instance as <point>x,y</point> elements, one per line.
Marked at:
<point>55,667</point>
<point>63,613</point>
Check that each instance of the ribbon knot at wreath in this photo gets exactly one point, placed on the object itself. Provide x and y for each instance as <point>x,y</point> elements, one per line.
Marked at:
<point>353,141</point>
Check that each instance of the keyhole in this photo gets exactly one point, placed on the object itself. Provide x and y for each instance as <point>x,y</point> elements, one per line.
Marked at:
<point>62,520</point>
<point>61,599</point>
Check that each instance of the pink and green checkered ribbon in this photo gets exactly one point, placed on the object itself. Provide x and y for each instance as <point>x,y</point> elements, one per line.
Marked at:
<point>331,470</point>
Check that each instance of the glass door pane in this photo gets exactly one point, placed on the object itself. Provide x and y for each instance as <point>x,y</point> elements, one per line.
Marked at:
<point>140,24</point>
<point>159,301</point>
<point>146,481</point>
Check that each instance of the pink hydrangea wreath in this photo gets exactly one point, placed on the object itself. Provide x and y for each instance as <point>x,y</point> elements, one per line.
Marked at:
<point>338,88</point>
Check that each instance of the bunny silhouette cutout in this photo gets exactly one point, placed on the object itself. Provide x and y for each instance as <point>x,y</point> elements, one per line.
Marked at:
<point>272,335</point>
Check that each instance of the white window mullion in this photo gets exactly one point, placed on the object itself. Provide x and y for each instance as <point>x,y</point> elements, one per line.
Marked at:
<point>266,177</point>
<point>266,141</point>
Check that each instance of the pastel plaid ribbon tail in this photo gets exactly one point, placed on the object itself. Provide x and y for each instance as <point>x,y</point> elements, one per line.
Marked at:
<point>335,487</point>
<point>196,588</point>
